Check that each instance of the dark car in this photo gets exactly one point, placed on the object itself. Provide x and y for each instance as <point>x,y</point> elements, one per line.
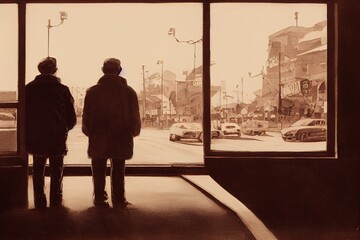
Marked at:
<point>305,130</point>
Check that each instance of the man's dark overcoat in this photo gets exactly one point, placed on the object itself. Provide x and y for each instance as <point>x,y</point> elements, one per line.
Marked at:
<point>50,114</point>
<point>111,118</point>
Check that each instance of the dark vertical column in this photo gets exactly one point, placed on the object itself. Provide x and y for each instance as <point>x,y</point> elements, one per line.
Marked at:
<point>206,84</point>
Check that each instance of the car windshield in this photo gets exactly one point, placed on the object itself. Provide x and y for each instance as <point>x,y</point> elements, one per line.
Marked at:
<point>307,122</point>
<point>190,126</point>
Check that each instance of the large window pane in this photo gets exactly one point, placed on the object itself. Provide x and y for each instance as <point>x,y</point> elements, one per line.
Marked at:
<point>8,76</point>
<point>271,76</point>
<point>8,52</point>
<point>160,48</point>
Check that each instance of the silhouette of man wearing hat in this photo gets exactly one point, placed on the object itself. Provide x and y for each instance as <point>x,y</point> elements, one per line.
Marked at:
<point>111,120</point>
<point>50,114</point>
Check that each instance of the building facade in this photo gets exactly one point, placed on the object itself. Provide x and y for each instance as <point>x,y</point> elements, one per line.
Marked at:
<point>296,87</point>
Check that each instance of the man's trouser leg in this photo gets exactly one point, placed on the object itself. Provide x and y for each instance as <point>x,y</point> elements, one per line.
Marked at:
<point>98,167</point>
<point>56,180</point>
<point>118,182</point>
<point>39,163</point>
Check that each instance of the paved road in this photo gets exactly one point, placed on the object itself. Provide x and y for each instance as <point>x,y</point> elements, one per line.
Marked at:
<point>153,147</point>
<point>270,142</point>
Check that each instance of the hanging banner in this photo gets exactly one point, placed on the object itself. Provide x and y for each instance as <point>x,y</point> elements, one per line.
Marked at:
<point>290,89</point>
<point>305,86</point>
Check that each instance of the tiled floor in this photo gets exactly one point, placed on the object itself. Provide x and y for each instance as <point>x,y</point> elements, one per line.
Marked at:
<point>163,208</point>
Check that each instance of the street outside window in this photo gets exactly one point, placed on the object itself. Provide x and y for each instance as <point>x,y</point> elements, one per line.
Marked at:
<point>269,76</point>
<point>9,77</point>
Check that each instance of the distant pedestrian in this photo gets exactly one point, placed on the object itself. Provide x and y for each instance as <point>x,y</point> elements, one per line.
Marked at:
<point>50,114</point>
<point>111,120</point>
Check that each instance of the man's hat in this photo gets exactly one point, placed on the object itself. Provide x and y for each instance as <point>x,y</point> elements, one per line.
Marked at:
<point>111,66</point>
<point>47,66</point>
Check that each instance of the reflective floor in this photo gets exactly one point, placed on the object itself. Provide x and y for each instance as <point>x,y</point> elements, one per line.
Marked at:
<point>162,208</point>
<point>186,207</point>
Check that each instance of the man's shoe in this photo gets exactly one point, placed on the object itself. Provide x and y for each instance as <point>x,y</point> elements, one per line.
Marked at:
<point>123,205</point>
<point>103,203</point>
<point>40,201</point>
<point>57,203</point>
<point>56,200</point>
<point>101,200</point>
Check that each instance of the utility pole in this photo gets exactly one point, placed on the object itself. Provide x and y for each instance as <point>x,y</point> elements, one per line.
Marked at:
<point>296,18</point>
<point>279,97</point>
<point>162,88</point>
<point>194,63</point>
<point>144,93</point>
<point>220,99</point>
<point>242,89</point>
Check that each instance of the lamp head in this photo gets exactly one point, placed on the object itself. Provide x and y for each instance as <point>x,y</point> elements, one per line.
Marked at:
<point>171,31</point>
<point>63,16</point>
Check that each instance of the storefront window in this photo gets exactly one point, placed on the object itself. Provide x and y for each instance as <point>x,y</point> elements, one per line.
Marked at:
<point>269,80</point>
<point>160,48</point>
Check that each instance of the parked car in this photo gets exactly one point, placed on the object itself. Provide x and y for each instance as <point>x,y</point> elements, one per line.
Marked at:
<point>230,129</point>
<point>307,129</point>
<point>189,130</point>
<point>7,120</point>
<point>255,127</point>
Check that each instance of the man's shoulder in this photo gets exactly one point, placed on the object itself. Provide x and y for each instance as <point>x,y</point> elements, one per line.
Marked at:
<point>132,91</point>
<point>40,81</point>
<point>92,88</point>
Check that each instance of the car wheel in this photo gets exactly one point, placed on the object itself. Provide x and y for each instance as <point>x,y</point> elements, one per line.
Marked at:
<point>172,138</point>
<point>201,137</point>
<point>303,136</point>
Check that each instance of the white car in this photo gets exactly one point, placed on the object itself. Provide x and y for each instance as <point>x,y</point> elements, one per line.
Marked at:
<point>255,127</point>
<point>230,129</point>
<point>189,130</point>
<point>185,130</point>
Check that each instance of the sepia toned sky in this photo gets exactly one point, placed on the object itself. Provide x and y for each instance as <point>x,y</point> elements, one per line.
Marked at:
<point>137,34</point>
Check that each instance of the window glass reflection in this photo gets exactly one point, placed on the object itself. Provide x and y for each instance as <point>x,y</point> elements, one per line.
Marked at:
<point>271,76</point>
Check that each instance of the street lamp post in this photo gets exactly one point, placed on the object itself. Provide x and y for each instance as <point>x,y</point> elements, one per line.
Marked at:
<point>161,62</point>
<point>171,32</point>
<point>279,96</point>
<point>63,16</point>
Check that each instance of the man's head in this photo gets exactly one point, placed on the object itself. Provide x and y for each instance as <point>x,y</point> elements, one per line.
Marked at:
<point>112,66</point>
<point>47,66</point>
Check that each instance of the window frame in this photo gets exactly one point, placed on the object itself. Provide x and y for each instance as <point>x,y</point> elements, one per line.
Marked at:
<point>20,157</point>
<point>331,144</point>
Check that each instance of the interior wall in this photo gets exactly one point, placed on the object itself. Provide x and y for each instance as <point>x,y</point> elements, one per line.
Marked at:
<point>309,190</point>
<point>14,188</point>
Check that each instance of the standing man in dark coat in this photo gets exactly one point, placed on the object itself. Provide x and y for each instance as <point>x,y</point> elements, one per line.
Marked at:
<point>111,120</point>
<point>50,114</point>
